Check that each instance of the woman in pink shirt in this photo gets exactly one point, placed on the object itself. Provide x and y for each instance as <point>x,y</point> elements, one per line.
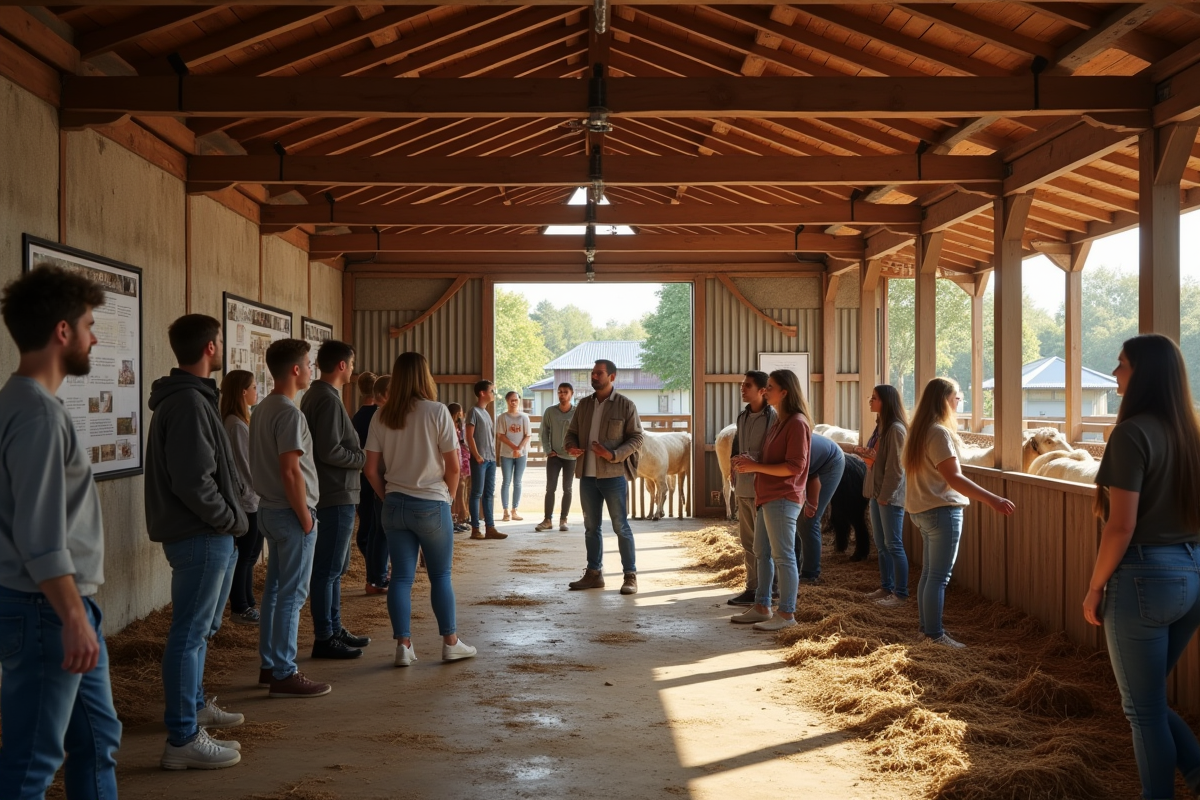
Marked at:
<point>779,482</point>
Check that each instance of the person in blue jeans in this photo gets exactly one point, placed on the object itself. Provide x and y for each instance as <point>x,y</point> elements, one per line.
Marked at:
<point>935,494</point>
<point>194,509</point>
<point>285,478</point>
<point>56,698</point>
<point>513,432</point>
<point>885,486</point>
<point>481,440</point>
<point>825,466</point>
<point>1145,586</point>
<point>369,538</point>
<point>605,437</point>
<point>413,463</point>
<point>339,458</point>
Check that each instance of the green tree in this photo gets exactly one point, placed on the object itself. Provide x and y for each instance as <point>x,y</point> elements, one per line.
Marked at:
<point>520,349</point>
<point>614,331</point>
<point>667,351</point>
<point>563,328</point>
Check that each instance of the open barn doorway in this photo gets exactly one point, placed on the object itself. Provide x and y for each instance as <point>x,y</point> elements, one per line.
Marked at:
<point>550,334</point>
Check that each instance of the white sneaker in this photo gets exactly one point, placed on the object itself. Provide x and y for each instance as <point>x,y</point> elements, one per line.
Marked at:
<point>945,641</point>
<point>200,753</point>
<point>775,623</point>
<point>404,655</point>
<point>562,525</point>
<point>458,650</point>
<point>227,743</point>
<point>212,717</point>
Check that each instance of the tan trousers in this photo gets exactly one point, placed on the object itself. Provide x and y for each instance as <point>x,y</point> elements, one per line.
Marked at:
<point>460,511</point>
<point>746,514</point>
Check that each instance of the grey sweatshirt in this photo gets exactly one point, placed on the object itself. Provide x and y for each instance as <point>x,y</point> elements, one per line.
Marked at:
<point>50,522</point>
<point>192,485</point>
<point>339,456</point>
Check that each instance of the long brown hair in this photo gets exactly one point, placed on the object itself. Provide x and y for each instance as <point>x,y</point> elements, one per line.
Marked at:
<point>233,394</point>
<point>891,408</point>
<point>411,381</point>
<point>793,401</point>
<point>936,407</point>
<point>1158,386</point>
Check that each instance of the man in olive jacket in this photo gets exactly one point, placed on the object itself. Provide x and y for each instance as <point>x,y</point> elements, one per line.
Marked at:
<point>605,436</point>
<point>193,507</point>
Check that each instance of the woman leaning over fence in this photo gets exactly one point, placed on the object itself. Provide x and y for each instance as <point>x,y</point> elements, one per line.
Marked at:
<point>1146,583</point>
<point>884,486</point>
<point>935,494</point>
<point>413,464</point>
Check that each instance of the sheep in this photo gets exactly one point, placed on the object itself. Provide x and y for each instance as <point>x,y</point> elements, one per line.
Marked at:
<point>679,452</point>
<point>1040,441</point>
<point>1076,466</point>
<point>839,435</point>
<point>724,448</point>
<point>662,455</point>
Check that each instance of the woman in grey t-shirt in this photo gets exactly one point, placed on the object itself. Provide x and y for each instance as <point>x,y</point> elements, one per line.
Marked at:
<point>1145,587</point>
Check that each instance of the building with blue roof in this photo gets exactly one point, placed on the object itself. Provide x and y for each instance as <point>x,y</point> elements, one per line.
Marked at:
<point>645,389</point>
<point>1044,389</point>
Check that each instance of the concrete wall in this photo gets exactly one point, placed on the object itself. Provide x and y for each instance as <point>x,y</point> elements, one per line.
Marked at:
<point>116,204</point>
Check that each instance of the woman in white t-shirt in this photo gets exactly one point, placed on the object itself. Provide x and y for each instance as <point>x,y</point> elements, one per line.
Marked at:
<point>413,464</point>
<point>513,433</point>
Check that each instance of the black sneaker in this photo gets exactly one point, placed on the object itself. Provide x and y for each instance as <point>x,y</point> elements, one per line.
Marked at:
<point>350,640</point>
<point>746,598</point>
<point>334,647</point>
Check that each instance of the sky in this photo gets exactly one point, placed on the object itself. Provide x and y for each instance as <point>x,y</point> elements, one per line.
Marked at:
<point>623,302</point>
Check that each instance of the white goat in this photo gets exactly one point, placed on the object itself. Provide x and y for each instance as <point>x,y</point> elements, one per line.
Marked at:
<point>839,435</point>
<point>662,455</point>
<point>1076,466</point>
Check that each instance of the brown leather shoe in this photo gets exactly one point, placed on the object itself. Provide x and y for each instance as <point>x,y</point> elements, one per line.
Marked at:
<point>592,579</point>
<point>630,584</point>
<point>477,534</point>
<point>265,678</point>
<point>492,533</point>
<point>296,685</point>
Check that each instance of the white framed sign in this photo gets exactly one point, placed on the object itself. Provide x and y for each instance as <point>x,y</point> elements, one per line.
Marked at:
<point>315,333</point>
<point>106,404</point>
<point>796,362</point>
<point>250,328</point>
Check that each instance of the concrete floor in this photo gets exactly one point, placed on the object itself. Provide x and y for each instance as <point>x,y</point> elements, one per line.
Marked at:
<point>587,694</point>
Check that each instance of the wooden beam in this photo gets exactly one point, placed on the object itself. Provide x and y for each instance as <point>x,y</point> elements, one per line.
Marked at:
<point>829,349</point>
<point>979,287</point>
<point>954,209</point>
<point>1163,155</point>
<point>1083,48</point>
<point>21,26</point>
<point>395,332</point>
<point>147,23</point>
<point>630,170</point>
<point>928,253</point>
<point>28,72</point>
<point>1179,98</point>
<point>800,97</point>
<point>868,345</point>
<point>731,287</point>
<point>885,243</point>
<point>533,243</point>
<point>1009,216</point>
<point>683,213</point>
<point>1080,145</point>
<point>977,28</point>
<point>700,434</point>
<point>1073,341</point>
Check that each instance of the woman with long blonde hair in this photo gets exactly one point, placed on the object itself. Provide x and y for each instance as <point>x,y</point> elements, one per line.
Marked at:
<point>413,464</point>
<point>1145,587</point>
<point>239,393</point>
<point>780,478</point>
<point>935,494</point>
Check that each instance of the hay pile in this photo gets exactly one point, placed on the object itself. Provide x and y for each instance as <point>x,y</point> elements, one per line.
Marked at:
<point>1019,714</point>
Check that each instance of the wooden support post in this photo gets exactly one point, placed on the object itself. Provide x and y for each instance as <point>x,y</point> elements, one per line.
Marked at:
<point>976,289</point>
<point>699,390</point>
<point>1010,214</point>
<point>348,283</point>
<point>1074,341</point>
<point>829,351</point>
<point>929,250</point>
<point>487,344</point>
<point>1163,155</point>
<point>885,369</point>
<point>868,346</point>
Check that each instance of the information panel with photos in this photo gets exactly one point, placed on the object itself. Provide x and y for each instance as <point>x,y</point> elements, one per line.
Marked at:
<point>106,404</point>
<point>250,328</point>
<point>315,333</point>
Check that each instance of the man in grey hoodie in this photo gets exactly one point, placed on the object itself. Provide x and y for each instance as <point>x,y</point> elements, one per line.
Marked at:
<point>339,458</point>
<point>193,510</point>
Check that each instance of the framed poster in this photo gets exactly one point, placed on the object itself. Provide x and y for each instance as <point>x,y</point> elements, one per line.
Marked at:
<point>796,362</point>
<point>250,328</point>
<point>314,332</point>
<point>106,404</point>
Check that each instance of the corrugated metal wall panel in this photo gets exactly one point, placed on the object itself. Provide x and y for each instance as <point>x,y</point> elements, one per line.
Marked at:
<point>847,405</point>
<point>847,340</point>
<point>450,339</point>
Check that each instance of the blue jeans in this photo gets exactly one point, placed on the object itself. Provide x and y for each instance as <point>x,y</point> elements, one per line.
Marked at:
<point>808,531</point>
<point>289,568</point>
<point>371,541</point>
<point>1151,610</point>
<point>414,524</point>
<point>201,574</point>
<point>48,713</point>
<point>775,546</point>
<point>331,559</point>
<point>941,528</point>
<point>887,528</point>
<point>594,495</point>
<point>483,492</point>
<point>513,470</point>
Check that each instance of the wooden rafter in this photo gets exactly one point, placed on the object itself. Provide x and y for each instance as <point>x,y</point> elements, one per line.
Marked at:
<point>787,330</point>
<point>396,331</point>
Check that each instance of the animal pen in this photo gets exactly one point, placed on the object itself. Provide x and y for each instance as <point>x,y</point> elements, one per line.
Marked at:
<point>384,166</point>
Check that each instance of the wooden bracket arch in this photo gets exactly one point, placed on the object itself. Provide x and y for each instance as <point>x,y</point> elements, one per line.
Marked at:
<point>727,282</point>
<point>395,332</point>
